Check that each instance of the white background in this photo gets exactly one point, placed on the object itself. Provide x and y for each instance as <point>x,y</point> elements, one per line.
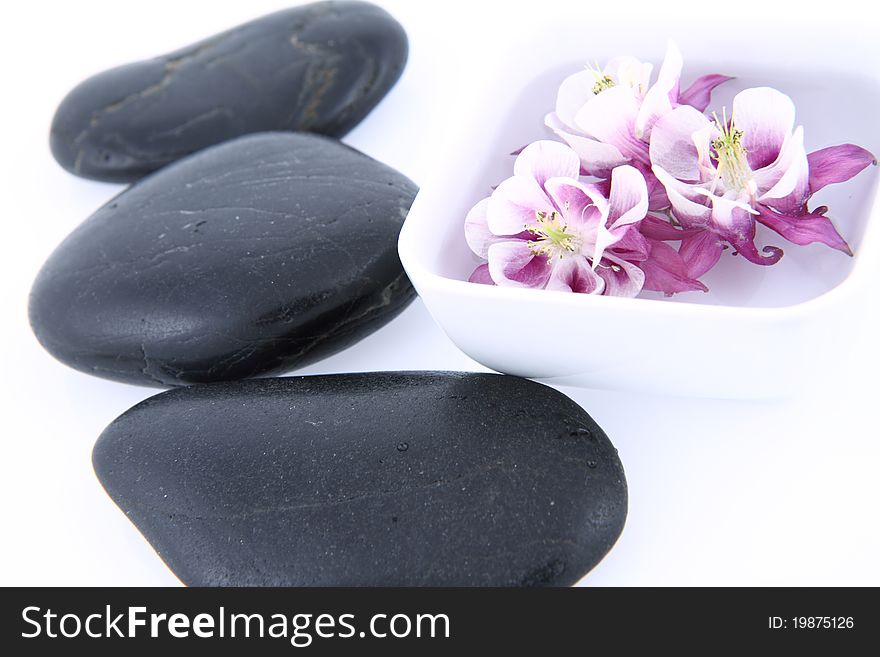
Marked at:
<point>721,492</point>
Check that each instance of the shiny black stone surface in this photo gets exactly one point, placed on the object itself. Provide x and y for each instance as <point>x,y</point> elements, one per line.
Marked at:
<point>377,479</point>
<point>319,68</point>
<point>254,256</point>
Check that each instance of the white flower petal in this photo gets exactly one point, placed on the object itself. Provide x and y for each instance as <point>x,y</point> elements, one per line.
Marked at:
<point>547,159</point>
<point>680,143</point>
<point>630,72</point>
<point>730,214</point>
<point>513,205</point>
<point>628,200</point>
<point>766,117</point>
<point>597,158</point>
<point>609,118</point>
<point>476,229</point>
<point>574,92</point>
<point>734,199</point>
<point>658,99</point>
<point>691,210</point>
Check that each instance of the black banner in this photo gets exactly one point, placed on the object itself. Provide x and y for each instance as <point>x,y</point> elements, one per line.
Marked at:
<point>435,621</point>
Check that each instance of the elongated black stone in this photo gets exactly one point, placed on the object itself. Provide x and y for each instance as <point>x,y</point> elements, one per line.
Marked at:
<point>431,478</point>
<point>258,255</point>
<point>319,68</point>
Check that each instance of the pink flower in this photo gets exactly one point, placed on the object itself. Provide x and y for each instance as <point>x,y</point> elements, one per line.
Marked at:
<point>723,176</point>
<point>607,115</point>
<point>544,228</point>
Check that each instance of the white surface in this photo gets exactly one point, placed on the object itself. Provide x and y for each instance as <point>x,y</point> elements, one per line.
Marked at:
<point>721,492</point>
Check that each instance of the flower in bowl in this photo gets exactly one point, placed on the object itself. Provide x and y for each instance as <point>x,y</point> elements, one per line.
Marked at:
<point>545,228</point>
<point>642,166</point>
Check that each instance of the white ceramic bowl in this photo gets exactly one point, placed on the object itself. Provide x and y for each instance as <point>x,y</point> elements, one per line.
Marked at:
<point>760,331</point>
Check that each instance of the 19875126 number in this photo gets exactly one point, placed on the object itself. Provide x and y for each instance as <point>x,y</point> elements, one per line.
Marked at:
<point>811,623</point>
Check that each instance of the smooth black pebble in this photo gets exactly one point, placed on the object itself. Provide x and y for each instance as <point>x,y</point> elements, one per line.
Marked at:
<point>319,68</point>
<point>254,256</point>
<point>302,481</point>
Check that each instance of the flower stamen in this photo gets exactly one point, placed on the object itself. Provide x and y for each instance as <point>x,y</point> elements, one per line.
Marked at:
<point>732,165</point>
<point>603,80</point>
<point>553,236</point>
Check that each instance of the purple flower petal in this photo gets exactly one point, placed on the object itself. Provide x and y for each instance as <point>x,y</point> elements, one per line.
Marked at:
<point>657,198</point>
<point>622,279</point>
<point>749,251</point>
<point>656,228</point>
<point>699,93</point>
<point>837,164</point>
<point>700,252</point>
<point>784,184</point>
<point>666,271</point>
<point>745,246</point>
<point>481,275</point>
<point>512,264</point>
<point>736,225</point>
<point>631,245</point>
<point>804,229</point>
<point>766,117</point>
<point>574,274</point>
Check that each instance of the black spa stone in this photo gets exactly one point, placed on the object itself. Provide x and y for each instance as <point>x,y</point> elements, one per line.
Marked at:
<point>376,479</point>
<point>254,256</point>
<point>320,68</point>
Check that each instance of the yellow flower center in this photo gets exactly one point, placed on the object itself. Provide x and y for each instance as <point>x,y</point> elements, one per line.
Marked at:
<point>732,164</point>
<point>553,238</point>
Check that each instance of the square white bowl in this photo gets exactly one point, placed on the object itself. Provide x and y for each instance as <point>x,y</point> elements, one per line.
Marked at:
<point>761,331</point>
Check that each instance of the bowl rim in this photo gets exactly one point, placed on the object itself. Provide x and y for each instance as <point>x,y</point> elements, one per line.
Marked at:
<point>423,275</point>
